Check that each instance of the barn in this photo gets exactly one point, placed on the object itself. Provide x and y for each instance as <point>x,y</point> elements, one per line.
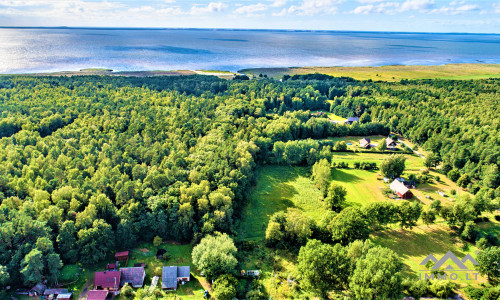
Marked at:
<point>400,189</point>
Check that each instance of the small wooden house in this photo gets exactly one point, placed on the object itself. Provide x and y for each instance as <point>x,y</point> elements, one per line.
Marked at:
<point>365,143</point>
<point>121,256</point>
<point>390,143</point>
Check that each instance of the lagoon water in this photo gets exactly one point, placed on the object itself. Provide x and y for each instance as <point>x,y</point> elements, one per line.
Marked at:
<point>65,49</point>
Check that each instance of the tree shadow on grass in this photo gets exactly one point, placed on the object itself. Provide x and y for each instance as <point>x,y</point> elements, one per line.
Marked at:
<point>341,175</point>
<point>410,243</point>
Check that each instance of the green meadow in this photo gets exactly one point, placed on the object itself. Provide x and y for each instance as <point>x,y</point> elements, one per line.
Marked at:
<point>391,73</point>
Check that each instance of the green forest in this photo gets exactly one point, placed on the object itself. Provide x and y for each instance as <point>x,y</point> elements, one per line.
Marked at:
<point>94,164</point>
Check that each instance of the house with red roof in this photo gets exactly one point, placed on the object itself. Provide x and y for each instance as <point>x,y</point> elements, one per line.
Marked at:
<point>97,295</point>
<point>107,280</point>
<point>121,256</point>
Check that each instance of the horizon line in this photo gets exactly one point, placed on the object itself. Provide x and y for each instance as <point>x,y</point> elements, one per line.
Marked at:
<point>235,29</point>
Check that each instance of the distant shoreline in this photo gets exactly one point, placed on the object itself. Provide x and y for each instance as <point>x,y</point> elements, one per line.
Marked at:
<point>380,73</point>
<point>241,29</point>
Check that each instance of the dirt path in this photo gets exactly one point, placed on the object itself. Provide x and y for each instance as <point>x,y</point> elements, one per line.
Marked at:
<point>414,151</point>
<point>85,290</point>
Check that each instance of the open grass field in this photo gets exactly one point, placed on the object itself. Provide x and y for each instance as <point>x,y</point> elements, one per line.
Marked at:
<point>362,186</point>
<point>414,245</point>
<point>278,187</point>
<point>413,162</point>
<point>391,73</point>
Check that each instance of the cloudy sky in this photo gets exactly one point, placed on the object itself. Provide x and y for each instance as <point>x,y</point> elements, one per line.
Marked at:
<point>370,15</point>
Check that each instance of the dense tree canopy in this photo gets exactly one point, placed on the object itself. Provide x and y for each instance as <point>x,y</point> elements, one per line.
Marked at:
<point>98,163</point>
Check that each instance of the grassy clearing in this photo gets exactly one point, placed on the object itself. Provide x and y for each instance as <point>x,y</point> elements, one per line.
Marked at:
<point>278,187</point>
<point>414,245</point>
<point>362,186</point>
<point>413,162</point>
<point>392,73</point>
<point>336,118</point>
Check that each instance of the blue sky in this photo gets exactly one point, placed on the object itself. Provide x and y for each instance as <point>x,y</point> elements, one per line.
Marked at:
<point>370,15</point>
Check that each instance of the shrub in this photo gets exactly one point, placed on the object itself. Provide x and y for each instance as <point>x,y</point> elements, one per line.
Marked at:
<point>157,241</point>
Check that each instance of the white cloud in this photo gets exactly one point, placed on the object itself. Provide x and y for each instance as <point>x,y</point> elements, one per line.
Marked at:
<point>417,5</point>
<point>387,7</point>
<point>455,10</point>
<point>212,7</point>
<point>251,9</point>
<point>370,1</point>
<point>19,3</point>
<point>496,7</point>
<point>312,7</point>
<point>278,3</point>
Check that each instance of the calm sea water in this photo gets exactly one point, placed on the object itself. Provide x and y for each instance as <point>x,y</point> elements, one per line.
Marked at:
<point>43,50</point>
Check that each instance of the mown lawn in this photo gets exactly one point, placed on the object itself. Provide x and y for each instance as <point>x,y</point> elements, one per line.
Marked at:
<point>362,186</point>
<point>278,187</point>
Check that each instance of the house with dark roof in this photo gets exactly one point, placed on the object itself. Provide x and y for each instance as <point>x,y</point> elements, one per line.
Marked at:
<point>133,276</point>
<point>351,120</point>
<point>172,275</point>
<point>169,278</point>
<point>184,273</point>
<point>107,280</point>
<point>97,295</point>
<point>111,267</point>
<point>400,189</point>
<point>390,143</point>
<point>365,143</point>
<point>37,290</point>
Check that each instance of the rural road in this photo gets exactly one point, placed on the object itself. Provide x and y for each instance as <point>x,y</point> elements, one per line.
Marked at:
<point>414,151</point>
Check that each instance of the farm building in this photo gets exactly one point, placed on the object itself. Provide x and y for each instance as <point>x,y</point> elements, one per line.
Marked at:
<point>400,189</point>
<point>173,274</point>
<point>365,143</point>
<point>390,143</point>
<point>351,120</point>
<point>133,276</point>
<point>97,295</point>
<point>108,280</point>
<point>121,256</point>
